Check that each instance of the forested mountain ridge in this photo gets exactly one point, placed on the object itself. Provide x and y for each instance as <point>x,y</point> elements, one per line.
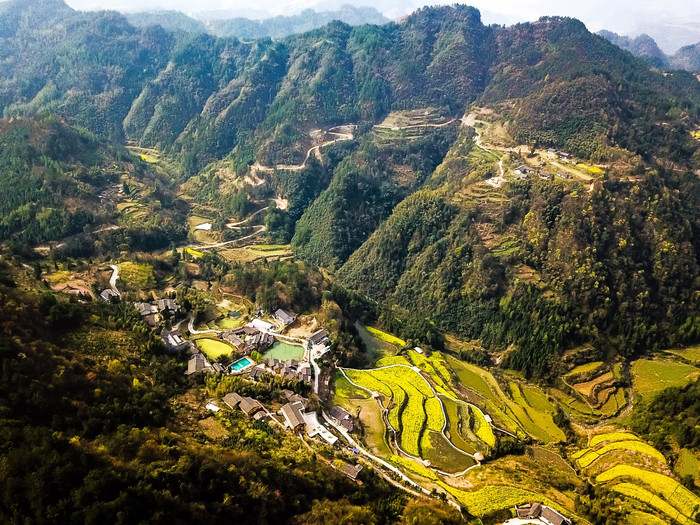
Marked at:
<point>202,98</point>
<point>535,266</point>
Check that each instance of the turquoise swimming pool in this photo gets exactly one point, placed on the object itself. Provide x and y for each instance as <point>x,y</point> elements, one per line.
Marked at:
<point>242,363</point>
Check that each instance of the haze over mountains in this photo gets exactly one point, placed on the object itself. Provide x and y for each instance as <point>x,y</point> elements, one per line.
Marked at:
<point>687,58</point>
<point>247,29</point>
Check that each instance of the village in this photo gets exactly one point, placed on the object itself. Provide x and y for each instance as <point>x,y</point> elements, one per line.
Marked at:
<point>254,339</point>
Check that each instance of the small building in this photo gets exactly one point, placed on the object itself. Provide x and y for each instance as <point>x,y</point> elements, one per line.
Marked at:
<point>167,305</point>
<point>173,340</point>
<point>212,407</point>
<point>259,342</point>
<point>146,309</point>
<point>545,515</point>
<point>319,337</point>
<point>342,417</point>
<point>107,295</point>
<point>245,331</point>
<point>203,227</point>
<point>198,364</point>
<point>250,406</point>
<point>563,175</point>
<point>544,175</point>
<point>285,316</point>
<point>232,399</point>
<point>563,155</point>
<point>256,374</point>
<point>521,176</point>
<point>523,169</point>
<point>294,416</point>
<point>235,340</point>
<point>351,471</point>
<point>261,325</point>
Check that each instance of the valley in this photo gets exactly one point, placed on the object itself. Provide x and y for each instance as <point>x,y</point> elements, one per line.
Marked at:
<point>426,272</point>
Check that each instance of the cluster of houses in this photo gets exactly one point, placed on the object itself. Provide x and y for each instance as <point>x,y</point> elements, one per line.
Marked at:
<point>153,312</point>
<point>198,363</point>
<point>536,513</point>
<point>296,418</point>
<point>523,171</point>
<point>294,369</point>
<point>248,339</point>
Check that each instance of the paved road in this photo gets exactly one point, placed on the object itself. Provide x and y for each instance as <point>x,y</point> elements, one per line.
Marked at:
<point>190,327</point>
<point>113,279</point>
<point>261,229</point>
<point>314,150</point>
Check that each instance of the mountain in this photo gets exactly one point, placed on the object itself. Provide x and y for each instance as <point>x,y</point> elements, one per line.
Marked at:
<point>532,268</point>
<point>281,26</point>
<point>641,46</point>
<point>222,25</point>
<point>687,58</point>
<point>169,20</point>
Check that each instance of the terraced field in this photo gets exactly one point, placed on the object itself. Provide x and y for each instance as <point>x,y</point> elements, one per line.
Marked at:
<point>636,470</point>
<point>524,412</point>
<point>656,490</point>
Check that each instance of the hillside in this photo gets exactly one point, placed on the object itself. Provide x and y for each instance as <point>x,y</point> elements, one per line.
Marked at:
<point>687,58</point>
<point>200,98</point>
<point>63,184</point>
<point>390,113</point>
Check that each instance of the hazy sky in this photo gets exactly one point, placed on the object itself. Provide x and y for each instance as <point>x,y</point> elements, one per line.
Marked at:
<point>669,21</point>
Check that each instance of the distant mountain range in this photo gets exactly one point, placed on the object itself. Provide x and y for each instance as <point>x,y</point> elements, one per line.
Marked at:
<point>643,46</point>
<point>249,29</point>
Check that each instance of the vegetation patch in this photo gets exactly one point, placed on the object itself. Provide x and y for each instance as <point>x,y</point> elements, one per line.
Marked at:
<point>489,499</point>
<point>637,446</point>
<point>687,464</point>
<point>651,499</point>
<point>213,348</point>
<point>387,338</point>
<point>611,437</point>
<point>651,376</point>
<point>673,492</point>
<point>137,276</point>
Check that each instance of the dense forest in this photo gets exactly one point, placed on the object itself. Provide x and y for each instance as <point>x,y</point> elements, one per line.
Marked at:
<point>202,98</point>
<point>61,183</point>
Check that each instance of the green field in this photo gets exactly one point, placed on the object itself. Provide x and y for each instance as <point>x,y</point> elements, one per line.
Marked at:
<point>651,376</point>
<point>376,348</point>
<point>585,369</point>
<point>137,276</point>
<point>213,348</point>
<point>687,464</point>
<point>345,389</point>
<point>691,354</point>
